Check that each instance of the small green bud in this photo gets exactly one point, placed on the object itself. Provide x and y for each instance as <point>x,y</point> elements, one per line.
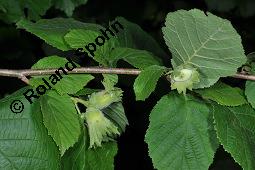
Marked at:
<point>100,128</point>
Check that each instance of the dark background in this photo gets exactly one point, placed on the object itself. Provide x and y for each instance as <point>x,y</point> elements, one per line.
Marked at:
<point>20,49</point>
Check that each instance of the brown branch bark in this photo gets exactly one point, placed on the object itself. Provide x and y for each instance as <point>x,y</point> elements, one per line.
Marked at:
<point>244,76</point>
<point>21,74</point>
<point>96,70</point>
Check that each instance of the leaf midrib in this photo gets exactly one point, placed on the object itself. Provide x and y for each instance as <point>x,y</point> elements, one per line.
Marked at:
<point>201,47</point>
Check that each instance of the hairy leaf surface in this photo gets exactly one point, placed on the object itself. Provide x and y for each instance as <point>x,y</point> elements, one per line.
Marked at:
<point>236,131</point>
<point>180,134</point>
<point>223,94</point>
<point>146,82</point>
<point>52,31</point>
<point>61,119</point>
<point>206,42</point>
<point>24,142</point>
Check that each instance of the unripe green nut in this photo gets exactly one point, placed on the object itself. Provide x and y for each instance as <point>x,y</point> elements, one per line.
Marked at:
<point>104,98</point>
<point>100,128</point>
<point>184,78</point>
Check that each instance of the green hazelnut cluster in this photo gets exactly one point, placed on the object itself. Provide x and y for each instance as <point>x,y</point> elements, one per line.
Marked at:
<point>100,128</point>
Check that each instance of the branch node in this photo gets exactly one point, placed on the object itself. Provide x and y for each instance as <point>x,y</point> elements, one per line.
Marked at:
<point>24,79</point>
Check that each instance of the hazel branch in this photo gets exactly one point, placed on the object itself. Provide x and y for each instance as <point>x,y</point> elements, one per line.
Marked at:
<point>21,74</point>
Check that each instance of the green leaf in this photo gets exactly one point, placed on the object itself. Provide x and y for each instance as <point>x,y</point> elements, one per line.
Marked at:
<point>87,91</point>
<point>250,92</point>
<point>79,38</point>
<point>35,8</point>
<point>251,59</point>
<point>52,31</point>
<point>68,5</point>
<point>224,94</point>
<point>146,82</point>
<point>110,80</point>
<point>137,58</point>
<point>250,85</point>
<point>116,113</point>
<point>24,142</point>
<point>181,134</point>
<point>13,10</point>
<point>236,131</point>
<point>133,36</point>
<point>61,119</point>
<point>10,11</point>
<point>205,42</point>
<point>80,157</point>
<point>68,83</point>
